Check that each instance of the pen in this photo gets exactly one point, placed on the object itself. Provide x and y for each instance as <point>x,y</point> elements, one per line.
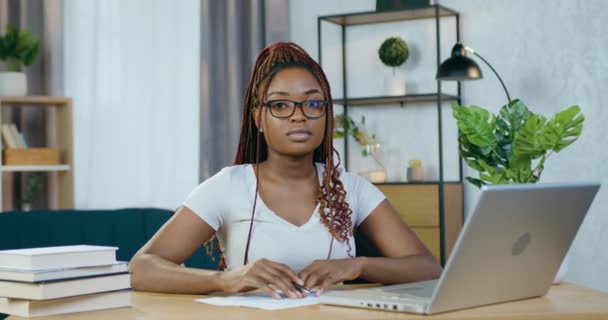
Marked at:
<point>302,288</point>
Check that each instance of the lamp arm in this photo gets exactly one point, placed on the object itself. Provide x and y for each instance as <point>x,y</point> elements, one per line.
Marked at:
<point>489,65</point>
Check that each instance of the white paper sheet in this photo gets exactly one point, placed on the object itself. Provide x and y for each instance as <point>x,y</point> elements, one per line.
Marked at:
<point>260,301</point>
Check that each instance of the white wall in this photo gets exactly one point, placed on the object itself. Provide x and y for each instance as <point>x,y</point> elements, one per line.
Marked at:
<point>131,68</point>
<point>551,54</point>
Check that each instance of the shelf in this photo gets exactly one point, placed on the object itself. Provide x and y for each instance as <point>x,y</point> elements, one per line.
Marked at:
<point>369,17</point>
<point>36,100</point>
<point>410,98</point>
<point>50,168</point>
<point>59,191</point>
<point>399,183</point>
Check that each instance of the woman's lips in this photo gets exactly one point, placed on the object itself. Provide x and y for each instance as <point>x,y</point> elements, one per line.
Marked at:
<point>299,135</point>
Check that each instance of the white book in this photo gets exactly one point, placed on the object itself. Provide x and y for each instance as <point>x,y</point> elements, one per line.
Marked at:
<point>57,257</point>
<point>7,136</point>
<point>61,274</point>
<point>15,134</point>
<point>61,289</point>
<point>88,302</point>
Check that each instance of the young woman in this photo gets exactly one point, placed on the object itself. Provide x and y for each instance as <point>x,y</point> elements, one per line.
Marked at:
<point>284,214</point>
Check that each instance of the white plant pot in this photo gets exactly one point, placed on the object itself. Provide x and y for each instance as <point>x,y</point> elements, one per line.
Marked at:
<point>13,84</point>
<point>394,86</point>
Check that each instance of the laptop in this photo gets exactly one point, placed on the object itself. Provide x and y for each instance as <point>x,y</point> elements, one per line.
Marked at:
<point>510,248</point>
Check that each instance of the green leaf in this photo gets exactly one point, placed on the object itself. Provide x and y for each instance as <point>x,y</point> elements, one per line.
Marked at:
<point>527,142</point>
<point>563,129</point>
<point>18,47</point>
<point>476,182</point>
<point>512,117</point>
<point>504,146</point>
<point>520,161</point>
<point>518,175</point>
<point>477,126</point>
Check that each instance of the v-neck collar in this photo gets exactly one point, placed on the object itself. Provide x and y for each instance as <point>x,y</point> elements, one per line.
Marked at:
<point>314,217</point>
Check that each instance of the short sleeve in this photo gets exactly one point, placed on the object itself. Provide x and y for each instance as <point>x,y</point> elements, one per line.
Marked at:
<point>208,200</point>
<point>368,198</point>
<point>365,195</point>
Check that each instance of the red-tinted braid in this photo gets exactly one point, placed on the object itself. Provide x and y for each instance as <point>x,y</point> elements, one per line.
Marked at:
<point>334,210</point>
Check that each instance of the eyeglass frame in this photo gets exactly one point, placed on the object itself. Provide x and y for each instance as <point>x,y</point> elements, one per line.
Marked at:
<point>296,104</point>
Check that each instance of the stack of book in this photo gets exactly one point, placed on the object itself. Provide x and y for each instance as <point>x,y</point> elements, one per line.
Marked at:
<point>57,280</point>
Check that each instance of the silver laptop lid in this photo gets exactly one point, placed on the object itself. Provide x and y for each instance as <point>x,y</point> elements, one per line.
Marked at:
<point>513,243</point>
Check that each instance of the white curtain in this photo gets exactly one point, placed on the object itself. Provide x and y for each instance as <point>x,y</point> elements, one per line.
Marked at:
<point>132,68</point>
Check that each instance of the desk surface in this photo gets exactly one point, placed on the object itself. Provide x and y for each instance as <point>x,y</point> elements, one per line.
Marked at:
<point>565,301</point>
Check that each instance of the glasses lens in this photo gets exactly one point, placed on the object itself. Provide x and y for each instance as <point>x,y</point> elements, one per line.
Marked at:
<point>281,108</point>
<point>314,108</point>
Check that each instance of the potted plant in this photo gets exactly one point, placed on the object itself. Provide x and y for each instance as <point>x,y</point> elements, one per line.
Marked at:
<point>32,187</point>
<point>512,147</point>
<point>18,48</point>
<point>393,53</point>
<point>344,126</point>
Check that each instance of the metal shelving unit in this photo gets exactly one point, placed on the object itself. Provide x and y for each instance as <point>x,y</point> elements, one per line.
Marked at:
<point>436,98</point>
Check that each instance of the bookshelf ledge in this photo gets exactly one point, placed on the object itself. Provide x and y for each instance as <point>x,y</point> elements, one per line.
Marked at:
<point>63,167</point>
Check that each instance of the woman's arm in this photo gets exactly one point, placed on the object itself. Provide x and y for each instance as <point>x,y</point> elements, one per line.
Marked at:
<point>156,266</point>
<point>405,258</point>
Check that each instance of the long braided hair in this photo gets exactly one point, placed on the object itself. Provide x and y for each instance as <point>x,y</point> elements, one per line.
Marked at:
<point>334,210</point>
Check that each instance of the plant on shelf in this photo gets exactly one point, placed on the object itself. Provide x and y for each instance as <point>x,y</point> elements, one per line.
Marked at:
<point>393,53</point>
<point>512,147</point>
<point>18,48</point>
<point>345,126</point>
<point>32,187</point>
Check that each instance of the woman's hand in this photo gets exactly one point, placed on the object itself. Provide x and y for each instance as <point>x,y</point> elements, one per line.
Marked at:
<point>323,273</point>
<point>262,274</point>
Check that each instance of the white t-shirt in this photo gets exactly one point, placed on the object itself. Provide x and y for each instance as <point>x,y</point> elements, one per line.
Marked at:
<point>225,201</point>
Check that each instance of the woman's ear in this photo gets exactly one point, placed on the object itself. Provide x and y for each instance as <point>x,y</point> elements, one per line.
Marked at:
<point>256,114</point>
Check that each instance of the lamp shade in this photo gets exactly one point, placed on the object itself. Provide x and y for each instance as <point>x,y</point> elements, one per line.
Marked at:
<point>458,66</point>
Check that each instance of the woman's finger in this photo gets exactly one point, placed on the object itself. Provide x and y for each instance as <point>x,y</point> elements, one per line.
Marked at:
<point>314,279</point>
<point>287,272</point>
<point>309,271</point>
<point>326,283</point>
<point>268,290</point>
<point>277,279</point>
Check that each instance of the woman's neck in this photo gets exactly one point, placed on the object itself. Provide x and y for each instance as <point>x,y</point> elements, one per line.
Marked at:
<point>288,168</point>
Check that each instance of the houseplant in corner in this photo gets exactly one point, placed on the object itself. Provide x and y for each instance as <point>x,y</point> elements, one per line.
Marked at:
<point>393,53</point>
<point>345,126</point>
<point>512,147</point>
<point>18,48</point>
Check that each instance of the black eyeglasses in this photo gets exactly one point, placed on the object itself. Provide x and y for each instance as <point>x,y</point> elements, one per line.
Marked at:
<point>312,109</point>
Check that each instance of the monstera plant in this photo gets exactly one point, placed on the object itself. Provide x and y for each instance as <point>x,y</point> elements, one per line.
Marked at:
<point>512,147</point>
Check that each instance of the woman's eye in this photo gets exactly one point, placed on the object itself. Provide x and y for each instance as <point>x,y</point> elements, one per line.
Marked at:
<point>313,103</point>
<point>279,105</point>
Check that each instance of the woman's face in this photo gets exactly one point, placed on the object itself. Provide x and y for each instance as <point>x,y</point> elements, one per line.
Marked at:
<point>295,135</point>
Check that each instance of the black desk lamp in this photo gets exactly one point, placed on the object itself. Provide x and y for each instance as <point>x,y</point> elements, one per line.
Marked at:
<point>460,67</point>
